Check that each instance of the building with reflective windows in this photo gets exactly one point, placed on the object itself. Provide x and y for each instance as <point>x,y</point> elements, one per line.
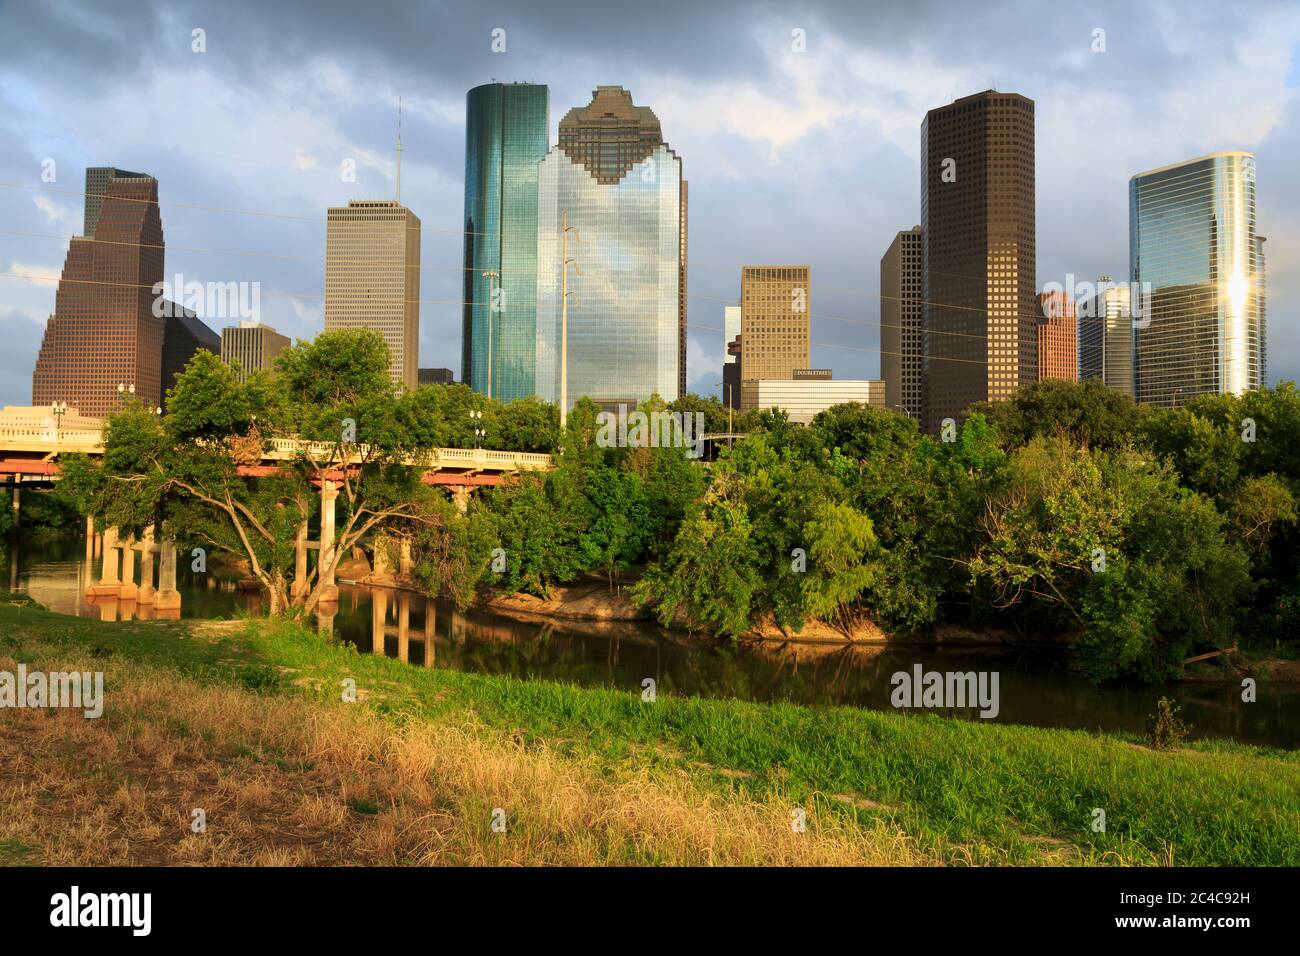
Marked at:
<point>621,188</point>
<point>1195,256</point>
<point>978,256</point>
<point>1058,337</point>
<point>1105,323</point>
<point>506,136</point>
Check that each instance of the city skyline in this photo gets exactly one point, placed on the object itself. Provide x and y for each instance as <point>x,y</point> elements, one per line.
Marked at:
<point>756,184</point>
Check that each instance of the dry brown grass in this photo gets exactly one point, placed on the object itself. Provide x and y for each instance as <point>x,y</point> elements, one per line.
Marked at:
<point>286,781</point>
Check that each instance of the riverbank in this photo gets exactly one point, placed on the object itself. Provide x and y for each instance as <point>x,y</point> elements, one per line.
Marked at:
<point>244,720</point>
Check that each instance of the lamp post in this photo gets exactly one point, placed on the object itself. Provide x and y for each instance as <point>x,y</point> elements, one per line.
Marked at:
<point>58,410</point>
<point>476,416</point>
<point>124,390</point>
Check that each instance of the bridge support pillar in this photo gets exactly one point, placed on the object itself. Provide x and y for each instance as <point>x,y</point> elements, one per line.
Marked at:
<point>167,598</point>
<point>380,565</point>
<point>404,626</point>
<point>128,591</point>
<point>378,620</point>
<point>325,572</point>
<point>404,558</point>
<point>430,620</point>
<point>299,587</point>
<point>460,495</point>
<point>108,581</point>
<point>18,501</point>
<point>146,567</point>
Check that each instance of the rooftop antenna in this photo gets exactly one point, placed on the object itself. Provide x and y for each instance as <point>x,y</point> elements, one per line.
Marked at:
<point>399,149</point>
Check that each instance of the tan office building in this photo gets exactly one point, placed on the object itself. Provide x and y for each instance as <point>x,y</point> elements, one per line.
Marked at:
<point>775,326</point>
<point>1058,337</point>
<point>803,398</point>
<point>372,278</point>
<point>252,346</point>
<point>901,315</point>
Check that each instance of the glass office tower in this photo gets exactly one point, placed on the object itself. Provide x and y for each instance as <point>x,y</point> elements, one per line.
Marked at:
<point>506,132</point>
<point>621,188</point>
<point>1196,258</point>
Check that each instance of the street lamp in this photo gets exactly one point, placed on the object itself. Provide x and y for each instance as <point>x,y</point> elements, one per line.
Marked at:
<point>58,410</point>
<point>476,416</point>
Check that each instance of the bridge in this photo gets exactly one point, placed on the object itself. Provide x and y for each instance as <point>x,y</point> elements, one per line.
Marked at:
<point>30,447</point>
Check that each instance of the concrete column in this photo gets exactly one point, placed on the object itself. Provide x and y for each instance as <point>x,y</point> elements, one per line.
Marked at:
<point>90,528</point>
<point>146,567</point>
<point>299,586</point>
<point>108,581</point>
<point>167,598</point>
<point>460,495</point>
<point>430,620</point>
<point>17,502</point>
<point>378,619</point>
<point>404,558</point>
<point>128,591</point>
<point>90,540</point>
<point>380,565</point>
<point>328,493</point>
<point>404,625</point>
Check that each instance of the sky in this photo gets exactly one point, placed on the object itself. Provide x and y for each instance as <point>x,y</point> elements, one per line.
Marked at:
<point>794,156</point>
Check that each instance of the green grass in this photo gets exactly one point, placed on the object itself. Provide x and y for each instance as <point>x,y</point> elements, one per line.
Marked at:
<point>1000,793</point>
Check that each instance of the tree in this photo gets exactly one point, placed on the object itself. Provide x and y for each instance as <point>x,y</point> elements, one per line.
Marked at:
<point>1087,413</point>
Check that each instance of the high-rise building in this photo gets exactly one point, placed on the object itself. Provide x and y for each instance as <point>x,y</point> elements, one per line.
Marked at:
<point>901,315</point>
<point>1058,341</point>
<point>183,335</point>
<point>104,332</point>
<point>978,257</point>
<point>775,303</point>
<point>618,186</point>
<point>251,346</point>
<point>1106,336</point>
<point>436,376</point>
<point>372,278</point>
<point>731,358</point>
<point>506,135</point>
<point>1196,257</point>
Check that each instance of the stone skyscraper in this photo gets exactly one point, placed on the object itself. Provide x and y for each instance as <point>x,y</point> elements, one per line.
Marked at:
<point>900,323</point>
<point>622,190</point>
<point>978,257</point>
<point>104,332</point>
<point>1198,262</point>
<point>506,131</point>
<point>372,278</point>
<point>775,328</point>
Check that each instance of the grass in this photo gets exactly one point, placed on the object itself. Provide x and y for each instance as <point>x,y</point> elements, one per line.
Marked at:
<point>246,721</point>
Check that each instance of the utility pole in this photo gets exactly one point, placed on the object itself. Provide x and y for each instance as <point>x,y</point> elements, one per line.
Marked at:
<point>564,315</point>
<point>491,312</point>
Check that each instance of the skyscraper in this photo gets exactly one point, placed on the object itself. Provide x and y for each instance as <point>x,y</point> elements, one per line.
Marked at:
<point>620,187</point>
<point>251,346</point>
<point>978,256</point>
<point>901,315</point>
<point>103,332</point>
<point>775,304</point>
<point>372,278</point>
<point>506,131</point>
<point>1196,257</point>
<point>1106,336</point>
<point>1058,341</point>
<point>731,357</point>
<point>183,335</point>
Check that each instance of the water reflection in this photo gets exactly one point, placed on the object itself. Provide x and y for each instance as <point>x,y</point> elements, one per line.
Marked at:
<point>1036,686</point>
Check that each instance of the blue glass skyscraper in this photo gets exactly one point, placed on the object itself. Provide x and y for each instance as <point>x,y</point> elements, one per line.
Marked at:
<point>506,132</point>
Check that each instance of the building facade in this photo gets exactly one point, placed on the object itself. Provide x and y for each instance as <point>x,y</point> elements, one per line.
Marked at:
<point>901,318</point>
<point>251,346</point>
<point>978,256</point>
<point>803,398</point>
<point>104,332</point>
<point>775,324</point>
<point>372,278</point>
<point>618,187</point>
<point>731,356</point>
<point>1194,253</point>
<point>507,126</point>
<point>1106,336</point>
<point>183,335</point>
<point>436,376</point>
<point>1058,337</point>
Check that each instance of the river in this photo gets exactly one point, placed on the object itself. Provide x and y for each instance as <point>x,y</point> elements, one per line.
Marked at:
<point>1035,686</point>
